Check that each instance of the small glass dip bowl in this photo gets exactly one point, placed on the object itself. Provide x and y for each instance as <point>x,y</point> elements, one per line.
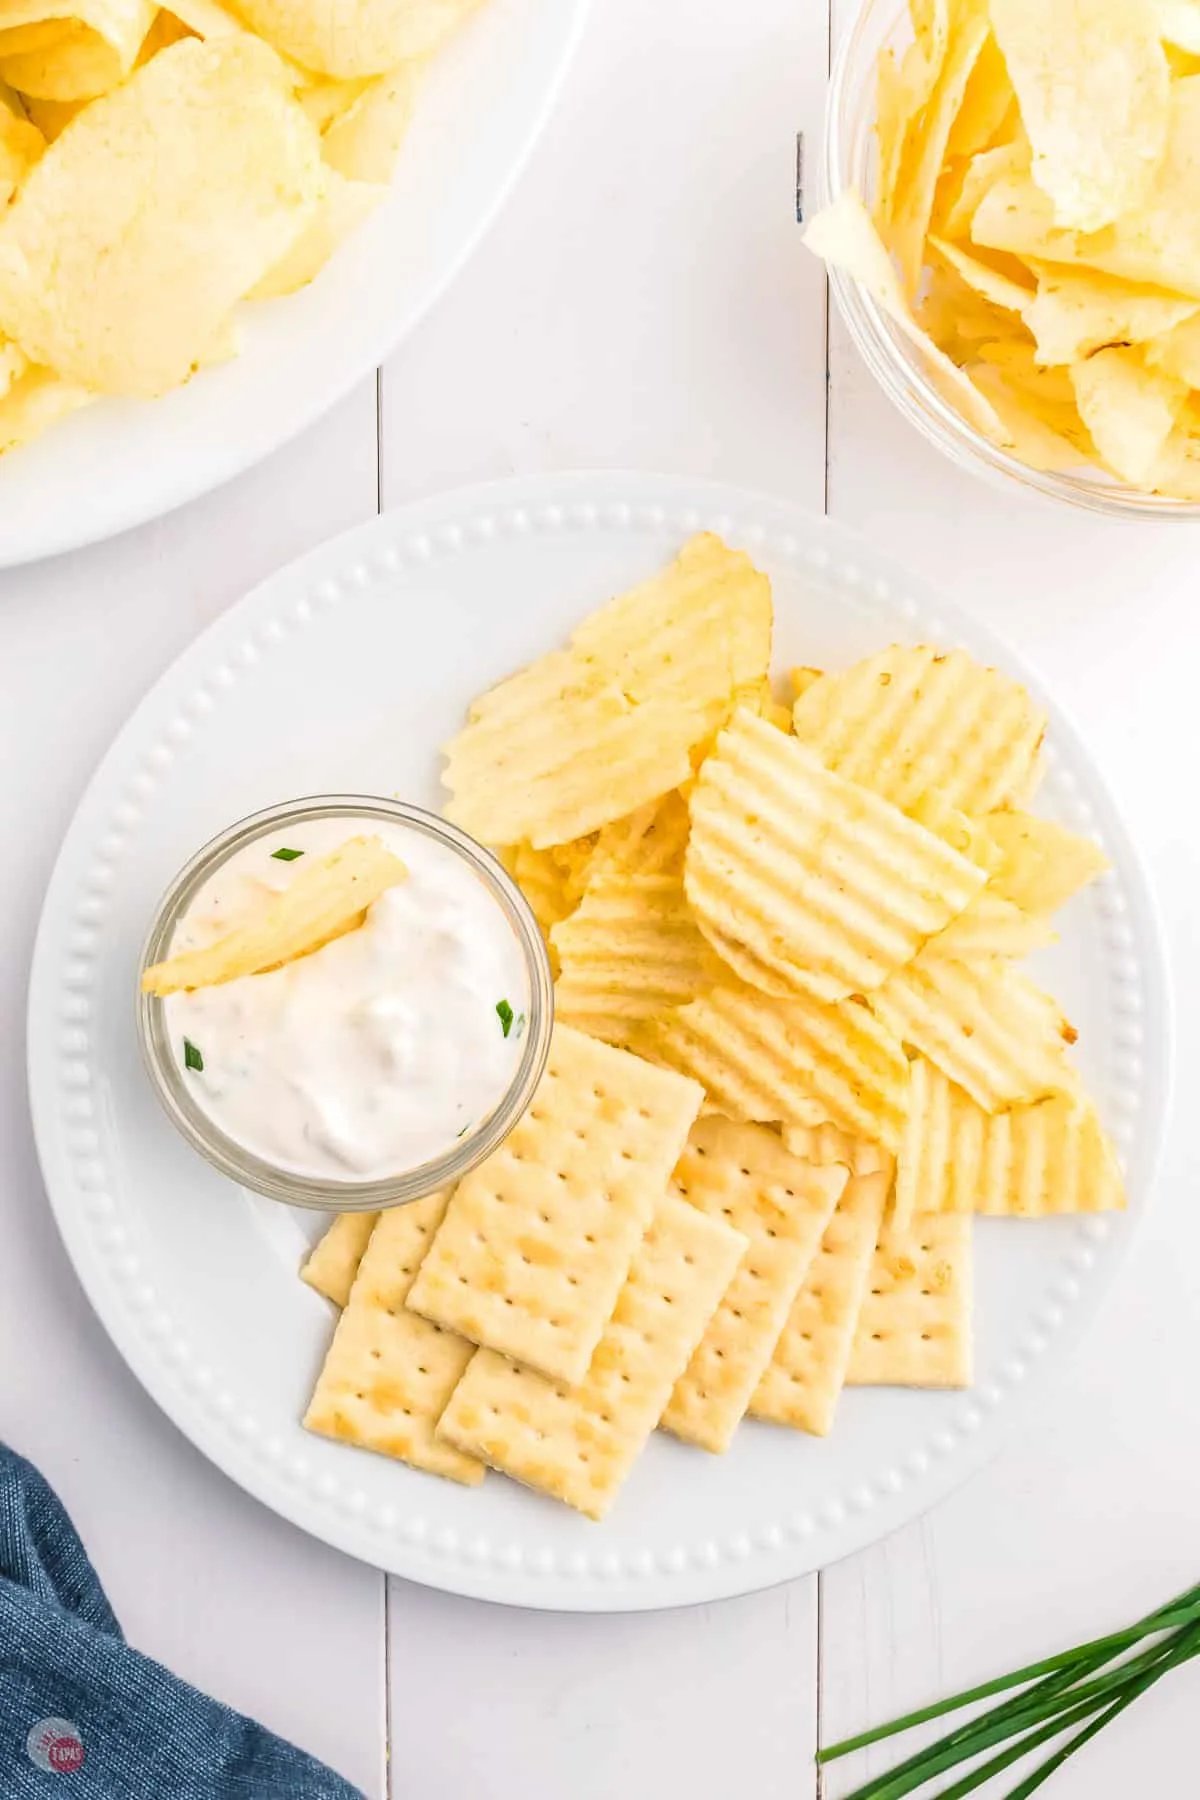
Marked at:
<point>245,1166</point>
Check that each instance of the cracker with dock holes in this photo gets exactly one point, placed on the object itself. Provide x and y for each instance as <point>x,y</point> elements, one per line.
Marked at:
<point>578,1443</point>
<point>388,1374</point>
<point>803,1381</point>
<point>914,1329</point>
<point>332,1263</point>
<point>538,1239</point>
<point>744,1175</point>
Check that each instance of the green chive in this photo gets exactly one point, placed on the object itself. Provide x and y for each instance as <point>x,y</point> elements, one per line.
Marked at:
<point>283,854</point>
<point>504,1013</point>
<point>1085,1687</point>
<point>520,1028</point>
<point>463,1132</point>
<point>192,1058</point>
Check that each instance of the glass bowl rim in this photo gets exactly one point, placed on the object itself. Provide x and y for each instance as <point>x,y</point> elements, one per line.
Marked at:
<point>241,1165</point>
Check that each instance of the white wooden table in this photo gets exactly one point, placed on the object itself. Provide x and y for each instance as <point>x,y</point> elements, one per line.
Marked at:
<point>643,302</point>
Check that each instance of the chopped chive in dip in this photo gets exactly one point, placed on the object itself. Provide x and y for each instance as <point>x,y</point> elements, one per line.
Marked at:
<point>504,1013</point>
<point>283,854</point>
<point>463,1132</point>
<point>192,1058</point>
<point>519,1030</point>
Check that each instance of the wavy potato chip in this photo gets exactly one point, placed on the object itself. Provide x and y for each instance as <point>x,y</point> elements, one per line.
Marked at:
<point>114,211</point>
<point>628,952</point>
<point>1093,85</point>
<point>1029,1162</point>
<point>914,721</point>
<point>325,899</point>
<point>649,841</point>
<point>588,734</point>
<point>804,882</point>
<point>349,38</point>
<point>765,1060</point>
<point>985,1026</point>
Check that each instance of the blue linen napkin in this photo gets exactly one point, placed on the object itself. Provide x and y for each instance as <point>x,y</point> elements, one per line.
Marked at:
<point>83,1716</point>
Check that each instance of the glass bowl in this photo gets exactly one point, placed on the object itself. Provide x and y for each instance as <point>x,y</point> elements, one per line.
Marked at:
<point>896,364</point>
<point>242,1165</point>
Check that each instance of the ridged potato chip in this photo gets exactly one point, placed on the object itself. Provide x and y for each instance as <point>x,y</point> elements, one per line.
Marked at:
<point>795,1061</point>
<point>629,951</point>
<point>325,899</point>
<point>114,209</point>
<point>1041,863</point>
<point>985,1026</point>
<point>825,1144</point>
<point>908,722</point>
<point>649,841</point>
<point>588,734</point>
<point>805,882</point>
<point>1030,1162</point>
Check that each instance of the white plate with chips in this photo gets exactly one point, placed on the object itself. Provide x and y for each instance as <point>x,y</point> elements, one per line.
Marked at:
<point>479,111</point>
<point>346,671</point>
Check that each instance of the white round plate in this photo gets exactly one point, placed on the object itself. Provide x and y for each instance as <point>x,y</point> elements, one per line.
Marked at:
<point>345,672</point>
<point>479,112</point>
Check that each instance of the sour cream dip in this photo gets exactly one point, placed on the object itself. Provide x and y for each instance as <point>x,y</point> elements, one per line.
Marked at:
<point>377,1053</point>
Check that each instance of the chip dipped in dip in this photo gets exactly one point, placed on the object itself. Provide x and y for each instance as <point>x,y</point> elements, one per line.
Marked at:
<point>343,999</point>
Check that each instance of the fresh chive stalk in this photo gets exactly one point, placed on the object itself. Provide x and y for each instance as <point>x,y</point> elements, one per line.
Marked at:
<point>1086,1686</point>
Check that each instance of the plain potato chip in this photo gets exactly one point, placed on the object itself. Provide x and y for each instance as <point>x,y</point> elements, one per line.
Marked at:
<point>630,950</point>
<point>36,399</point>
<point>51,117</point>
<point>348,38</point>
<point>323,101</point>
<point>1128,408</point>
<point>804,882</point>
<point>1042,434</point>
<point>1158,243</point>
<point>649,841</point>
<point>993,926</point>
<point>902,92</point>
<point>364,142</point>
<point>1093,85</point>
<point>1176,351</point>
<point>991,284</point>
<point>1077,311</point>
<point>586,735</point>
<point>911,721</point>
<point>1178,23</point>
<point>340,211</point>
<point>913,204</point>
<point>987,102</point>
<point>971,837</point>
<point>843,236</point>
<point>325,899</point>
<point>1177,469</point>
<point>967,187</point>
<point>1041,863</point>
<point>21,144</point>
<point>114,211</point>
<point>796,1061</point>
<point>984,1025</point>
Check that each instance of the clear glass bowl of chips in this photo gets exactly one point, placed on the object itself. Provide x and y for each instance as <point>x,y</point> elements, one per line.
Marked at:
<point>904,373</point>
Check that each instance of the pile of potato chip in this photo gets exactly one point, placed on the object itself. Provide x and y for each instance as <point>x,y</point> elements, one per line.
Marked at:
<point>160,165</point>
<point>1035,228</point>
<point>792,1053</point>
